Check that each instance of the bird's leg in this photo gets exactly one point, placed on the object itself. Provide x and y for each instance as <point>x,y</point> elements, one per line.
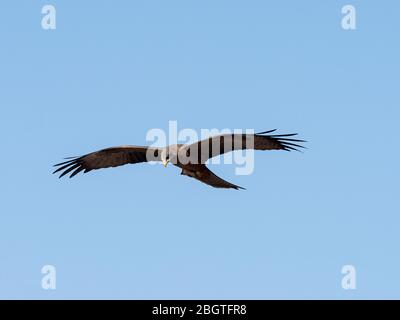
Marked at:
<point>165,163</point>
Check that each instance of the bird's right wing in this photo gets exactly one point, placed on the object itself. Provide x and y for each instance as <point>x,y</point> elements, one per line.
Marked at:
<point>106,158</point>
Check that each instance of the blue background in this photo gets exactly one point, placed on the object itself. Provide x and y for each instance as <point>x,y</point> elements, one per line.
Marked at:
<point>112,70</point>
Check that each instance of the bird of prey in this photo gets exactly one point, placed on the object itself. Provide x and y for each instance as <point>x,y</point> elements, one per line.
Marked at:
<point>191,158</point>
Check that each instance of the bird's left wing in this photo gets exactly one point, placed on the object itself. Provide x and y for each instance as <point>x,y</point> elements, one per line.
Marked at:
<point>106,158</point>
<point>199,152</point>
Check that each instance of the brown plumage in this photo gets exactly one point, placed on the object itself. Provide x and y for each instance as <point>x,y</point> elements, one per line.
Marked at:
<point>190,158</point>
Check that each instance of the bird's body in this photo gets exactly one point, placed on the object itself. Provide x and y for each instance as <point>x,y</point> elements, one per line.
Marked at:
<point>190,158</point>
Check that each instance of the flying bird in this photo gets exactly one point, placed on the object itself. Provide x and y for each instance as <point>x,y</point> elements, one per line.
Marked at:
<point>191,158</point>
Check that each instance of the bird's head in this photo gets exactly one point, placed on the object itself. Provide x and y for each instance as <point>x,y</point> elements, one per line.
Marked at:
<point>165,158</point>
<point>170,153</point>
<point>165,161</point>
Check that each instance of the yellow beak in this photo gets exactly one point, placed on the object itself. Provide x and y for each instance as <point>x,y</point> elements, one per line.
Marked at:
<point>165,163</point>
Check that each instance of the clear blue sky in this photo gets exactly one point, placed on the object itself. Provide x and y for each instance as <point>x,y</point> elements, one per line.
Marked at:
<point>112,70</point>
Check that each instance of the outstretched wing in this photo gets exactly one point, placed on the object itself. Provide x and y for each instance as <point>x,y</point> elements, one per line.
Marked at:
<point>205,175</point>
<point>106,158</point>
<point>203,150</point>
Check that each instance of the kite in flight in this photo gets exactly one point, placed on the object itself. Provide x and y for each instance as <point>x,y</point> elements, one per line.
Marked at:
<point>191,158</point>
